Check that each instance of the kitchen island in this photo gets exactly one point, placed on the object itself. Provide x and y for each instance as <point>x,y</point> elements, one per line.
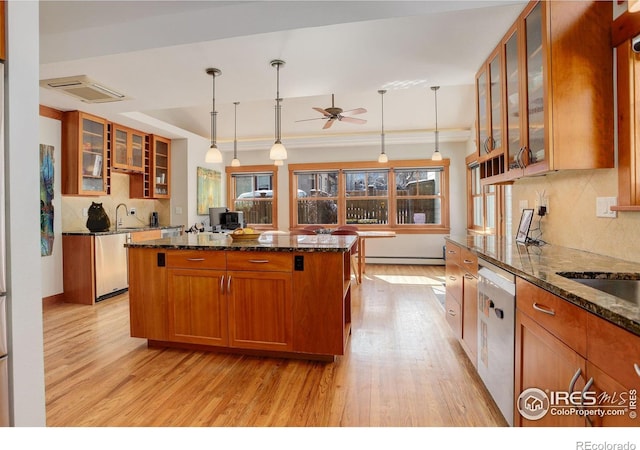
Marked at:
<point>278,295</point>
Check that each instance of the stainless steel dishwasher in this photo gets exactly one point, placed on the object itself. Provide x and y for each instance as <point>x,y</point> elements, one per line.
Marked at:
<point>112,275</point>
<point>496,334</point>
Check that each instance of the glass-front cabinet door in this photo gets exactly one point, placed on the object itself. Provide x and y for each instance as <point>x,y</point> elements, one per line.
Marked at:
<point>128,149</point>
<point>489,106</point>
<point>513,135</point>
<point>85,156</point>
<point>495,93</point>
<point>94,161</point>
<point>535,114</point>
<point>161,167</point>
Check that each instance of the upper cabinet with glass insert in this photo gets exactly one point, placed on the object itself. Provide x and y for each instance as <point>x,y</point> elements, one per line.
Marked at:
<point>558,85</point>
<point>85,156</point>
<point>127,146</point>
<point>489,106</point>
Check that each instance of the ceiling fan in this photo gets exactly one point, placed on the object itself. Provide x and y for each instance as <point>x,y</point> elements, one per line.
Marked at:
<point>332,114</point>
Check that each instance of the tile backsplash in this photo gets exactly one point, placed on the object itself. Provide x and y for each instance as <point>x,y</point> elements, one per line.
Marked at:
<point>72,207</point>
<point>572,220</point>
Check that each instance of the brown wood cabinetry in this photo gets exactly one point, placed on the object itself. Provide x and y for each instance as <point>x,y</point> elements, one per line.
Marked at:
<point>563,348</point>
<point>146,235</point>
<point>127,149</point>
<point>628,83</point>
<point>155,181</point>
<point>558,88</point>
<point>489,87</point>
<point>85,157</point>
<point>243,300</point>
<point>461,301</point>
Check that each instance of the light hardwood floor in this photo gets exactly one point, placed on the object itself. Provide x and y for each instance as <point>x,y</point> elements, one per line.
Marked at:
<point>402,367</point>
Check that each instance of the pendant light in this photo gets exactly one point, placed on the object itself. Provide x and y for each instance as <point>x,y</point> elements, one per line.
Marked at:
<point>278,151</point>
<point>213,154</point>
<point>437,156</point>
<point>235,162</point>
<point>383,156</point>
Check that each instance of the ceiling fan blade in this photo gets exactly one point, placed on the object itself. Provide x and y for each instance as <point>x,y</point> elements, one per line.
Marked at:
<point>355,111</point>
<point>352,120</point>
<point>328,124</point>
<point>305,120</point>
<point>321,111</point>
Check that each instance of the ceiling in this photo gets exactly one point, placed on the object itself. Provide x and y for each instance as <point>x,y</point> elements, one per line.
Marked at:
<point>156,53</point>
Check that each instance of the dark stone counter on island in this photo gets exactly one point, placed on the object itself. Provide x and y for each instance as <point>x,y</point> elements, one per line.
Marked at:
<point>265,243</point>
<point>541,265</point>
<point>112,230</point>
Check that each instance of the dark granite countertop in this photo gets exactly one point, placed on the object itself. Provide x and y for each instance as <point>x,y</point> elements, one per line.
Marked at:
<point>265,243</point>
<point>121,230</point>
<point>540,265</point>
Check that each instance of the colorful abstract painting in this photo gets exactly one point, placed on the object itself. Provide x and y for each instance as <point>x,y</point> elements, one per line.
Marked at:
<point>209,190</point>
<point>46,199</point>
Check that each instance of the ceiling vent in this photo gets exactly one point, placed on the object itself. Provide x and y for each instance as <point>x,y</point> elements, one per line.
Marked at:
<point>84,88</point>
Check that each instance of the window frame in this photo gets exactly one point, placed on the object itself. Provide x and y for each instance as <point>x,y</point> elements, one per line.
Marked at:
<point>343,167</point>
<point>472,163</point>
<point>255,170</point>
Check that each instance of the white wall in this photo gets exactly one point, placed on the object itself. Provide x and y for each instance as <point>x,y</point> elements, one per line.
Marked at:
<point>50,134</point>
<point>404,248</point>
<point>26,353</point>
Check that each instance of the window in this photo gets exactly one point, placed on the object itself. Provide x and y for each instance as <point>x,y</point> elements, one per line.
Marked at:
<point>482,211</point>
<point>252,190</point>
<point>402,195</point>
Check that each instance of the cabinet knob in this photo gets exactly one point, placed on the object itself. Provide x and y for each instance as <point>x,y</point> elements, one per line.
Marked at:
<point>637,367</point>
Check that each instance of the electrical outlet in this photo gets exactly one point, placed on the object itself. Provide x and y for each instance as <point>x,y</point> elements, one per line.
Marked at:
<point>85,212</point>
<point>603,207</point>
<point>132,211</point>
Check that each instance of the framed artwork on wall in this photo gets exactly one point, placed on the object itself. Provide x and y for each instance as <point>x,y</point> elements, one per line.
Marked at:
<point>209,190</point>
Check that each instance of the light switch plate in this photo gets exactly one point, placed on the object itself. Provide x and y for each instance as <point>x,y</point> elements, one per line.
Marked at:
<point>603,207</point>
<point>178,210</point>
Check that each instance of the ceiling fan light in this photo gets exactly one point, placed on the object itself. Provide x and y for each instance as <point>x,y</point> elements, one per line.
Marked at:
<point>278,151</point>
<point>278,162</point>
<point>383,158</point>
<point>213,155</point>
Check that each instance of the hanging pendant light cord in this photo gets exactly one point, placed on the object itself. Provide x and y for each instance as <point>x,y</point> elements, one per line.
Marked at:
<point>213,111</point>
<point>278,107</point>
<point>235,130</point>
<point>382,92</point>
<point>435,91</point>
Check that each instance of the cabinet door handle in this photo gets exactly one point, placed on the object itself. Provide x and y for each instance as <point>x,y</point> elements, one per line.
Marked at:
<point>574,379</point>
<point>467,261</point>
<point>468,276</point>
<point>229,284</point>
<point>222,284</point>
<point>582,394</point>
<point>259,261</point>
<point>451,251</point>
<point>452,278</point>
<point>452,312</point>
<point>637,367</point>
<point>195,259</point>
<point>544,309</point>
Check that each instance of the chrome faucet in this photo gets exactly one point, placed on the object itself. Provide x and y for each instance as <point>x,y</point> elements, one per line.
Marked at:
<point>126,211</point>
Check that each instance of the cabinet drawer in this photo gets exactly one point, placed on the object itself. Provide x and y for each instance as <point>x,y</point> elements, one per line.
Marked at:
<point>262,261</point>
<point>452,253</point>
<point>469,262</point>
<point>193,259</point>
<point>562,319</point>
<point>140,236</point>
<point>453,314</point>
<point>453,275</point>
<point>614,350</point>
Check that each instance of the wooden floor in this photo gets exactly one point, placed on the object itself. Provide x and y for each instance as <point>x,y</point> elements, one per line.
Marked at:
<point>402,367</point>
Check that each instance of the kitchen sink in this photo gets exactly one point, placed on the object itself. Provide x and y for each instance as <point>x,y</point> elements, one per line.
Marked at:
<point>130,228</point>
<point>622,285</point>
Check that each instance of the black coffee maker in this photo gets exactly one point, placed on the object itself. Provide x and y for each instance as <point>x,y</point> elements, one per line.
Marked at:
<point>154,221</point>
